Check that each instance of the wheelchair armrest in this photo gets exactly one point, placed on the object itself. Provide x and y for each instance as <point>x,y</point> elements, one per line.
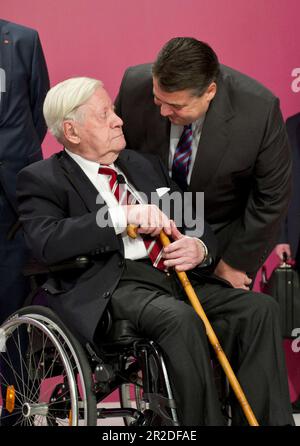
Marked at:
<point>80,262</point>
<point>34,268</point>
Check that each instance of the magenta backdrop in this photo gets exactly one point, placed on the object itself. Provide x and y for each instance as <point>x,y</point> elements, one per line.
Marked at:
<point>101,38</point>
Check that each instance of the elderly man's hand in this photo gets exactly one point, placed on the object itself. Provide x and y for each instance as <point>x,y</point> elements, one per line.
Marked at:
<point>237,278</point>
<point>184,253</point>
<point>148,218</point>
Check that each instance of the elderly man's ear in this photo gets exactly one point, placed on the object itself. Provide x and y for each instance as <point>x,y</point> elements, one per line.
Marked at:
<point>71,133</point>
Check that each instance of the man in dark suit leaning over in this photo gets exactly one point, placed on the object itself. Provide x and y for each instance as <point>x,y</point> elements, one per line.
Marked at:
<point>236,150</point>
<point>61,201</point>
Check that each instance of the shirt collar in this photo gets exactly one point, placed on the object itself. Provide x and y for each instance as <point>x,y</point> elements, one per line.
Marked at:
<point>88,166</point>
<point>197,125</point>
<point>176,130</point>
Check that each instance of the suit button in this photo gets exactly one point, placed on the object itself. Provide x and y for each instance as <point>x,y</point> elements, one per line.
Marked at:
<point>106,295</point>
<point>106,249</point>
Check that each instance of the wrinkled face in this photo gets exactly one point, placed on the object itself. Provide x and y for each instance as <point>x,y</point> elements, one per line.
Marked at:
<point>98,130</point>
<point>182,107</point>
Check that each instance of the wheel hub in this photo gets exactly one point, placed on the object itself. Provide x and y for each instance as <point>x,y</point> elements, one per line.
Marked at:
<point>29,410</point>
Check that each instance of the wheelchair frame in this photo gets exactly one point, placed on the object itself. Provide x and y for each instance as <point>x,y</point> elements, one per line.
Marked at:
<point>82,377</point>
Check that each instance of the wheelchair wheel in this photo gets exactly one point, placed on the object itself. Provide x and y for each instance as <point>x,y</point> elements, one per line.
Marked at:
<point>45,374</point>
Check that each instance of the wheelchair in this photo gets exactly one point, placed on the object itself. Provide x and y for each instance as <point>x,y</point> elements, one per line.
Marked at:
<point>56,381</point>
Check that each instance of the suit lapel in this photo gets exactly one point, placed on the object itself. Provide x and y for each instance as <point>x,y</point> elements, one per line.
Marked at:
<point>135,174</point>
<point>214,140</point>
<point>85,189</point>
<point>157,132</point>
<point>132,168</point>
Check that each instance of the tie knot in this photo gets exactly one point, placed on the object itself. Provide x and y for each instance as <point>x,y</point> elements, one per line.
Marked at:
<point>105,170</point>
<point>187,128</point>
<point>111,175</point>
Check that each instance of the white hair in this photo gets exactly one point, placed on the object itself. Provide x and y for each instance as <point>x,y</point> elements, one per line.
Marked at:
<point>62,102</point>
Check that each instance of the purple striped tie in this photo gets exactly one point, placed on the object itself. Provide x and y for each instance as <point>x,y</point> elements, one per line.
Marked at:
<point>182,157</point>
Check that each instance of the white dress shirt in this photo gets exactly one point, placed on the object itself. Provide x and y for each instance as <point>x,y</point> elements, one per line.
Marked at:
<point>133,248</point>
<point>175,134</point>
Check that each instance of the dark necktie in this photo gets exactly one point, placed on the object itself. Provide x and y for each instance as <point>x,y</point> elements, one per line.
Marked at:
<point>182,157</point>
<point>153,245</point>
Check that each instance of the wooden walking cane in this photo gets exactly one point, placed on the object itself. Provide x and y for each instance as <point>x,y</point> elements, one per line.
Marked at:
<point>236,387</point>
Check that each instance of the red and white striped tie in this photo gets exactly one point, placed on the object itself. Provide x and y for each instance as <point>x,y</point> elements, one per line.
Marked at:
<point>153,245</point>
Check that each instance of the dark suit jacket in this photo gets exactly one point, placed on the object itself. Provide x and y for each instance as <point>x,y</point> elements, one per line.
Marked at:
<point>58,209</point>
<point>291,229</point>
<point>22,126</point>
<point>243,161</point>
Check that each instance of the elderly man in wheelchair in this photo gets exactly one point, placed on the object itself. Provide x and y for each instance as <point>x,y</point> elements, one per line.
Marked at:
<point>116,317</point>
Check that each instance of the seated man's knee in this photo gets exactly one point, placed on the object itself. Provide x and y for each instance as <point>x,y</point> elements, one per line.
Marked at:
<point>264,304</point>
<point>184,318</point>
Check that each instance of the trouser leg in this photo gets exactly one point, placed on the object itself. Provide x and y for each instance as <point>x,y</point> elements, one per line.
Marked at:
<point>180,333</point>
<point>14,287</point>
<point>248,327</point>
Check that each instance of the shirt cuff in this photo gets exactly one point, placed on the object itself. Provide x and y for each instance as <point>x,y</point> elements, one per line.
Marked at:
<point>118,218</point>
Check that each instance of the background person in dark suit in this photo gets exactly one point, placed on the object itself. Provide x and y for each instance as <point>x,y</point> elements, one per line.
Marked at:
<point>240,156</point>
<point>290,236</point>
<point>289,241</point>
<point>22,130</point>
<point>59,207</point>
<point>24,84</point>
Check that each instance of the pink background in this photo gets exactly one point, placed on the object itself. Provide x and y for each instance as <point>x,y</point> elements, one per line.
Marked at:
<point>100,39</point>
